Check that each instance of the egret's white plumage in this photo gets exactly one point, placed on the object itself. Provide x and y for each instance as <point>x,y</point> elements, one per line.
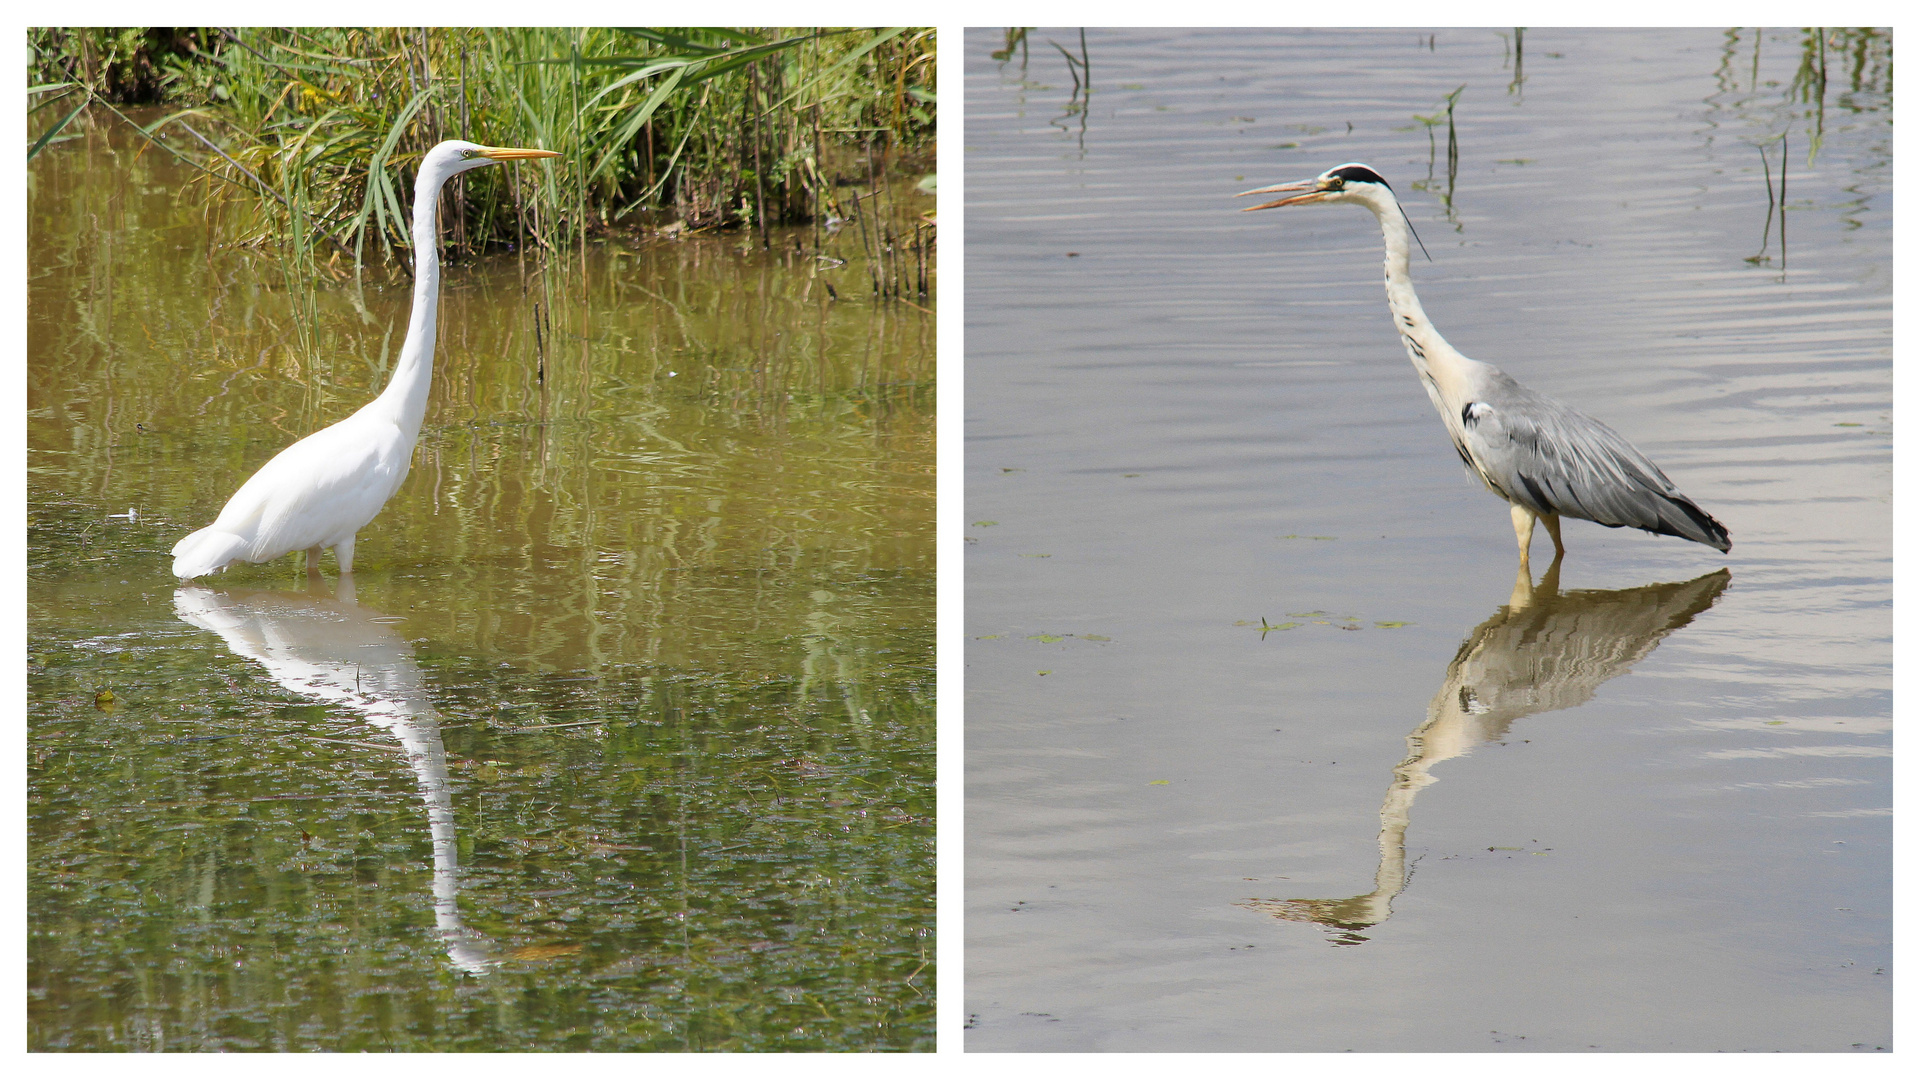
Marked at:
<point>1544,458</point>
<point>321,491</point>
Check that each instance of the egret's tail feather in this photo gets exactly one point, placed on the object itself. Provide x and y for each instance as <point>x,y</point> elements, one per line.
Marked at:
<point>204,552</point>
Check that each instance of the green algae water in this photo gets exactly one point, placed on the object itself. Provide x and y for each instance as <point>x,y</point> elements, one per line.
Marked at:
<point>621,735</point>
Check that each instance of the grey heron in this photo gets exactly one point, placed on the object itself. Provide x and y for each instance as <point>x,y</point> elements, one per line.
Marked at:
<point>1547,460</point>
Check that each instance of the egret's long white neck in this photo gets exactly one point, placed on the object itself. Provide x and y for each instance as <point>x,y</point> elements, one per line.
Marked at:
<point>1439,363</point>
<point>406,395</point>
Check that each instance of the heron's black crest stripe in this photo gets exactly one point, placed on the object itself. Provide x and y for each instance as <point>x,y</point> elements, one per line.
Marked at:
<point>1361,174</point>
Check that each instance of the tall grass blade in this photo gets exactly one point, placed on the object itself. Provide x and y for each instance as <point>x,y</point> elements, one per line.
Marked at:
<point>47,135</point>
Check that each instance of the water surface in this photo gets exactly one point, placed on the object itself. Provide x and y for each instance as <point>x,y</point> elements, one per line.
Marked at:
<point>1267,749</point>
<point>621,734</point>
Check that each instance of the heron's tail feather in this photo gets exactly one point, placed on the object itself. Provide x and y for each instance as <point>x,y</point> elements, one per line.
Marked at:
<point>204,552</point>
<point>1692,523</point>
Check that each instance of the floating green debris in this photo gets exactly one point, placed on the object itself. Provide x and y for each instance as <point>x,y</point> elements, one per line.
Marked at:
<point>988,637</point>
<point>1130,475</point>
<point>984,524</point>
<point>1153,783</point>
<point>1308,614</point>
<point>1047,639</point>
<point>1849,425</point>
<point>1005,470</point>
<point>1093,637</point>
<point>1049,671</point>
<point>1391,624</point>
<point>1775,723</point>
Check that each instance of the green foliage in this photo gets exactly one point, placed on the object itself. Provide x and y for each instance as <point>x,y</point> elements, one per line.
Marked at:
<point>318,131</point>
<point>124,65</point>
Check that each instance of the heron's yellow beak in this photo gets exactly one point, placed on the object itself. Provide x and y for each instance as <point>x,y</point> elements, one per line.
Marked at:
<point>1310,187</point>
<point>509,153</point>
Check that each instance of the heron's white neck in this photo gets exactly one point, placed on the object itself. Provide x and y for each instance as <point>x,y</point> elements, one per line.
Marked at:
<point>405,398</point>
<point>1440,365</point>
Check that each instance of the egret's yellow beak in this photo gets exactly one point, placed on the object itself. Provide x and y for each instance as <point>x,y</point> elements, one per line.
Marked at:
<point>509,153</point>
<point>1311,187</point>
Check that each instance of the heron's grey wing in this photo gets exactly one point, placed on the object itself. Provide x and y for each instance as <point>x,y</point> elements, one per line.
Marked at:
<point>1554,460</point>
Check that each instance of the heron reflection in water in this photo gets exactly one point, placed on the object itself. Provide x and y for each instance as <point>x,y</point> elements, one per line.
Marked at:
<point>332,650</point>
<point>1546,650</point>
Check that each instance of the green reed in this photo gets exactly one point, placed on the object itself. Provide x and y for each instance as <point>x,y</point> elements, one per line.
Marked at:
<point>308,138</point>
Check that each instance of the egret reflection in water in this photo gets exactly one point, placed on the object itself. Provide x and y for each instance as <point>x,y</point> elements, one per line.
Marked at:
<point>332,650</point>
<point>1544,651</point>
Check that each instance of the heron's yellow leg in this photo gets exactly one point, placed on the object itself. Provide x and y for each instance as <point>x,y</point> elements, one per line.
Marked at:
<point>1523,530</point>
<point>1552,521</point>
<point>313,562</point>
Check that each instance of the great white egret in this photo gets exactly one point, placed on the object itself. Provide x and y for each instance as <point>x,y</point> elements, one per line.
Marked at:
<point>321,491</point>
<point>1544,458</point>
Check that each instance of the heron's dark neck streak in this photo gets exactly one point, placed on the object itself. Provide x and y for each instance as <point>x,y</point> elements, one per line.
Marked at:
<point>1441,367</point>
<point>1445,373</point>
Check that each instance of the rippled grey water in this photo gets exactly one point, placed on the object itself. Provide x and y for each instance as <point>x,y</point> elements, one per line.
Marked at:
<point>1263,749</point>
